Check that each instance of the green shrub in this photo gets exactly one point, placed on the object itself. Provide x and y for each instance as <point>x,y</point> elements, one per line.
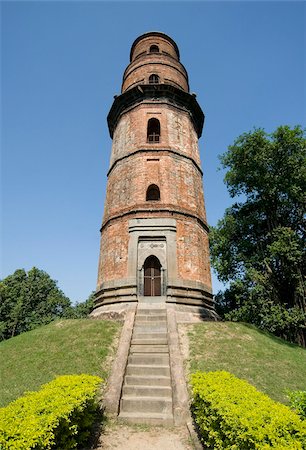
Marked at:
<point>59,416</point>
<point>298,402</point>
<point>232,414</point>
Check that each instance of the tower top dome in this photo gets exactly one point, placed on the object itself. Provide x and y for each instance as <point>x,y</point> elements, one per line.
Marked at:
<point>154,38</point>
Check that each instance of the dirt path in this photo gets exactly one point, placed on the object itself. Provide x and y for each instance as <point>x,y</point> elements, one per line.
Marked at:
<point>123,437</point>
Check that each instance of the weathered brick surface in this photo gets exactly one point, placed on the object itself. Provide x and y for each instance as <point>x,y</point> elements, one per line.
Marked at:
<point>173,164</point>
<point>169,70</point>
<point>192,248</point>
<point>165,64</point>
<point>177,131</point>
<point>178,179</point>
<point>114,251</point>
<point>164,45</point>
<point>193,251</point>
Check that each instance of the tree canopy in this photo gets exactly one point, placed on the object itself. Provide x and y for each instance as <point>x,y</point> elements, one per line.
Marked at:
<point>259,244</point>
<point>29,299</point>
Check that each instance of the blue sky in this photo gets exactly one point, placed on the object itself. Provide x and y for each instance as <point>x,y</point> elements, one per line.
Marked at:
<point>62,63</point>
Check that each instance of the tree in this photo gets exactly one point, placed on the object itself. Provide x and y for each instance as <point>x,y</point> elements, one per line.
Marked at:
<point>28,300</point>
<point>258,246</point>
<point>83,309</point>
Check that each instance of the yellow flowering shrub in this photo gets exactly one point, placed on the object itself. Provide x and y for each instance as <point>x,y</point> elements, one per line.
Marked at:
<point>59,415</point>
<point>232,414</point>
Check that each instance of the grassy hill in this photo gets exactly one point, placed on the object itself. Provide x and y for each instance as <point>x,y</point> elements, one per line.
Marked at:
<point>62,347</point>
<point>270,364</point>
<point>85,346</point>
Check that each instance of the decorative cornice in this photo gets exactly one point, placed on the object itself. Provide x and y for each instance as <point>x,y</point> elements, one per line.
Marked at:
<point>155,150</point>
<point>165,209</point>
<point>139,93</point>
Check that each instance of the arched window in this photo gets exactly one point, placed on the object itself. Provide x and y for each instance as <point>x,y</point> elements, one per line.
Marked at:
<point>153,131</point>
<point>153,193</point>
<point>153,79</point>
<point>152,277</point>
<point>154,49</point>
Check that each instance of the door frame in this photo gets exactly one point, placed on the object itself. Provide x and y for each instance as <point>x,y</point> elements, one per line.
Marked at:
<point>152,277</point>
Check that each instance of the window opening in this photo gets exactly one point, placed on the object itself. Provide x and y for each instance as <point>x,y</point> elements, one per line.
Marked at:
<point>154,49</point>
<point>153,193</point>
<point>153,131</point>
<point>153,79</point>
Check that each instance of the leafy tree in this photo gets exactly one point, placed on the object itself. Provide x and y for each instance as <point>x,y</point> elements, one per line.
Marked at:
<point>83,309</point>
<point>28,300</point>
<point>259,244</point>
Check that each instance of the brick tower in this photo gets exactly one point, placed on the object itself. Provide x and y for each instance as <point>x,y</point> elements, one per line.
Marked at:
<point>154,234</point>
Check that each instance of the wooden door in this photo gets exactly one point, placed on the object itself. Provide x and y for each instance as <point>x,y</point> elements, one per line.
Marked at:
<point>152,277</point>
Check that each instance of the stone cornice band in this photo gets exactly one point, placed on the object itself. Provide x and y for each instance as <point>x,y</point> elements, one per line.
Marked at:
<point>155,150</point>
<point>142,92</point>
<point>151,210</point>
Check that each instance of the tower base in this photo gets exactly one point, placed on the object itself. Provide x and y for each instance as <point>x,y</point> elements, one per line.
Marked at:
<point>190,299</point>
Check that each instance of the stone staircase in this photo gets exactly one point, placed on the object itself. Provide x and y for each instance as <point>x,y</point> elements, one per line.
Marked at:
<point>147,389</point>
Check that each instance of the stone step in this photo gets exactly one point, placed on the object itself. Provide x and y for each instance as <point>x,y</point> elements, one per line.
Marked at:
<point>152,321</point>
<point>143,348</point>
<point>157,302</point>
<point>148,380</point>
<point>155,341</point>
<point>147,391</point>
<point>146,319</point>
<point>147,418</point>
<point>137,369</point>
<point>147,359</point>
<point>152,310</point>
<point>149,335</point>
<point>150,328</point>
<point>146,404</point>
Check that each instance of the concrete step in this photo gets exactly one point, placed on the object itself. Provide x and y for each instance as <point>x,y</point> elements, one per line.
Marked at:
<point>149,359</point>
<point>151,323</point>
<point>148,380</point>
<point>143,370</point>
<point>150,328</point>
<point>143,336</point>
<point>153,302</point>
<point>146,319</point>
<point>143,348</point>
<point>147,391</point>
<point>156,307</point>
<point>146,404</point>
<point>146,341</point>
<point>147,418</point>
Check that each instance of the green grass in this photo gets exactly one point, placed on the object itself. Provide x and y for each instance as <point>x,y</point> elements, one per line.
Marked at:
<point>62,347</point>
<point>272,365</point>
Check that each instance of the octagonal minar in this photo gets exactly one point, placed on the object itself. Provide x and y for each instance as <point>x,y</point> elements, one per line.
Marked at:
<point>154,234</point>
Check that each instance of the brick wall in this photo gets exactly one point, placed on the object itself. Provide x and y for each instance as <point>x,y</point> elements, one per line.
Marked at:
<point>177,131</point>
<point>164,45</point>
<point>173,164</point>
<point>169,70</point>
<point>178,179</point>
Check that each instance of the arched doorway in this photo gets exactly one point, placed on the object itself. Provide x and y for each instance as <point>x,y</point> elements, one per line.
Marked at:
<point>152,277</point>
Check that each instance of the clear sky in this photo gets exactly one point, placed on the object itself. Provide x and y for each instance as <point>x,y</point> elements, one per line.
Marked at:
<point>62,63</point>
